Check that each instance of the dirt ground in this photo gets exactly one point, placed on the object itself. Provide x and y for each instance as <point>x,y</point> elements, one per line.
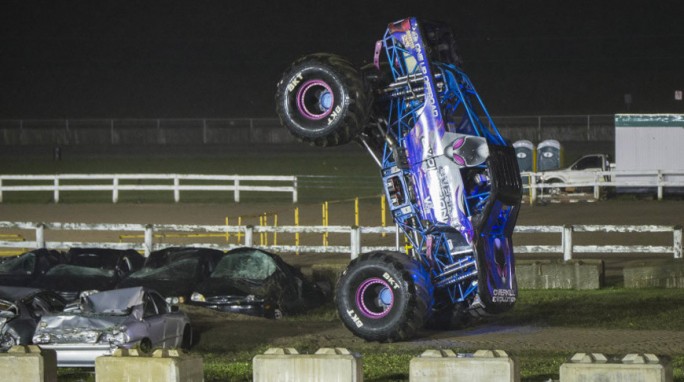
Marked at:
<point>234,333</point>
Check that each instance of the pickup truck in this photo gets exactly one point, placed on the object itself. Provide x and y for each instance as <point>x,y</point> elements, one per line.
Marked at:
<point>582,172</point>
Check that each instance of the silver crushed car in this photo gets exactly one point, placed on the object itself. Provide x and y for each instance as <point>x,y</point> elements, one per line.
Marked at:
<point>122,318</point>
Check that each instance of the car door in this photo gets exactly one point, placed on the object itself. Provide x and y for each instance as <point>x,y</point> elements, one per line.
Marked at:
<point>586,169</point>
<point>154,322</point>
<point>172,328</point>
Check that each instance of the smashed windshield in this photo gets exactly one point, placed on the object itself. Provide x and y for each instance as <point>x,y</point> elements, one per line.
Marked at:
<point>183,269</point>
<point>75,270</point>
<point>19,265</point>
<point>253,265</point>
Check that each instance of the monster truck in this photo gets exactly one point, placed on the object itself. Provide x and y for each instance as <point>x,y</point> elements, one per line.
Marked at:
<point>451,180</point>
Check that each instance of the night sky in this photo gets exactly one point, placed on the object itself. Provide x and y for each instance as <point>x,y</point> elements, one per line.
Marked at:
<point>222,59</point>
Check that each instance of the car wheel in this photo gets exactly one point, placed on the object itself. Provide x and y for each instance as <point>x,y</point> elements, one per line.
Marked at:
<point>187,338</point>
<point>555,191</point>
<point>322,101</point>
<point>145,346</point>
<point>384,296</point>
<point>7,340</point>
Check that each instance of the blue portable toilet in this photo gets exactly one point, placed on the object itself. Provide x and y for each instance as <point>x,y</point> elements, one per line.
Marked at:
<point>549,154</point>
<point>524,152</point>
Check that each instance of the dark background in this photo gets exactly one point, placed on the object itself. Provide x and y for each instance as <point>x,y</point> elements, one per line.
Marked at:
<point>221,59</point>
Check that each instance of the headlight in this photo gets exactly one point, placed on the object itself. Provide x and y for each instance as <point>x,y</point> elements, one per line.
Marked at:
<point>42,338</point>
<point>174,300</point>
<point>87,293</point>
<point>198,297</point>
<point>91,336</point>
<point>117,337</point>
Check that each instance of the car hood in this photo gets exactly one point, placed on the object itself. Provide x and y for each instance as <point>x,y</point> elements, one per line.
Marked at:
<point>15,279</point>
<point>167,288</point>
<point>232,287</point>
<point>77,328</point>
<point>74,283</point>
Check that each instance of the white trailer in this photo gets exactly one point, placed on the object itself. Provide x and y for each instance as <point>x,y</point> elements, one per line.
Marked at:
<point>649,142</point>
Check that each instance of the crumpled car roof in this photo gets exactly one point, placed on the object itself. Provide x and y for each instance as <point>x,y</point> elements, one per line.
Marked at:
<point>12,293</point>
<point>113,300</point>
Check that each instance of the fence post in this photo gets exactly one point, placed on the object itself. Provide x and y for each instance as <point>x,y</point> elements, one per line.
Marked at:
<point>533,188</point>
<point>355,241</point>
<point>40,235</point>
<point>236,183</point>
<point>677,245</point>
<point>294,192</point>
<point>567,243</point>
<point>115,190</point>
<point>660,185</point>
<point>249,236</point>
<point>0,190</point>
<point>149,239</point>
<point>176,190</point>
<point>597,188</point>
<point>55,192</point>
<point>539,134</point>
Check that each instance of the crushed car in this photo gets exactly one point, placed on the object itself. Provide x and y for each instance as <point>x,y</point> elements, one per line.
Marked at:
<point>258,283</point>
<point>175,272</point>
<point>123,318</point>
<point>23,269</point>
<point>89,270</point>
<point>20,310</point>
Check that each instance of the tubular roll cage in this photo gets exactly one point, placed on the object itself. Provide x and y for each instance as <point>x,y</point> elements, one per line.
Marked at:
<point>455,271</point>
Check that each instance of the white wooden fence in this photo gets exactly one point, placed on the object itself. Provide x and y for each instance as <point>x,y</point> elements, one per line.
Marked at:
<point>657,180</point>
<point>116,183</point>
<point>565,247</point>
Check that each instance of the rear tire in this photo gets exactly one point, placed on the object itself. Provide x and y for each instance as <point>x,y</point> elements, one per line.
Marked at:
<point>384,296</point>
<point>186,344</point>
<point>322,101</point>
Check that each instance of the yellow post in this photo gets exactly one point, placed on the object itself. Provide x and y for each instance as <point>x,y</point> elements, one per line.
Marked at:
<point>296,221</point>
<point>324,213</point>
<point>265,235</point>
<point>261,234</point>
<point>275,234</point>
<point>383,219</point>
<point>239,234</point>
<point>227,233</point>
<point>356,211</point>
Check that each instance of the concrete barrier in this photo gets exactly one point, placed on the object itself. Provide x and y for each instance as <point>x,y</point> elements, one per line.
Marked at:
<point>575,274</point>
<point>163,365</point>
<point>28,364</point>
<point>669,274</point>
<point>481,366</point>
<point>287,365</point>
<point>595,367</point>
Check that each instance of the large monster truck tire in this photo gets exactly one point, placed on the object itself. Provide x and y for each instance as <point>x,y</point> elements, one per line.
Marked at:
<point>384,296</point>
<point>322,101</point>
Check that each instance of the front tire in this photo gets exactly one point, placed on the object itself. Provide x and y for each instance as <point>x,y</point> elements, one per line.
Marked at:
<point>384,296</point>
<point>322,101</point>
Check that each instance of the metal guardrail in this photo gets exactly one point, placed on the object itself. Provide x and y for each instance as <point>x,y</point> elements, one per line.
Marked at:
<point>566,247</point>
<point>116,183</point>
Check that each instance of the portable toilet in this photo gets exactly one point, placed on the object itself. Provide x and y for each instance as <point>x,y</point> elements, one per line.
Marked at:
<point>524,151</point>
<point>549,154</point>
